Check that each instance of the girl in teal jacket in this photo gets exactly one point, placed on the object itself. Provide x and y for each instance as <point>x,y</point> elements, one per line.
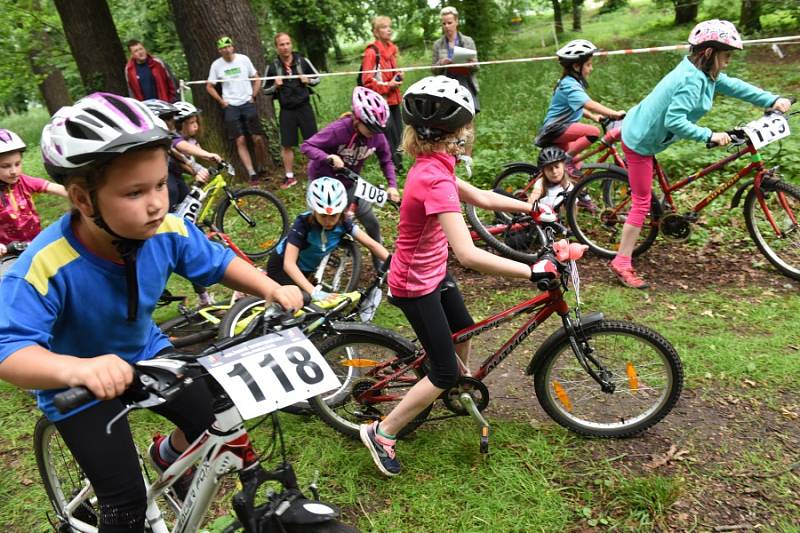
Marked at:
<point>669,113</point>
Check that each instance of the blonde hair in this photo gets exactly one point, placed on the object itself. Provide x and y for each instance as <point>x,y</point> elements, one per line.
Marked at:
<point>449,10</point>
<point>707,64</point>
<point>453,144</point>
<point>377,21</point>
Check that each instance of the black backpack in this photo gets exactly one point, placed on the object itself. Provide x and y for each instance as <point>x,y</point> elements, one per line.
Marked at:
<point>359,80</point>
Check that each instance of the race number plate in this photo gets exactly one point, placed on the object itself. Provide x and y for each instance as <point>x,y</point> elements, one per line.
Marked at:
<point>370,193</point>
<point>271,372</point>
<point>767,129</point>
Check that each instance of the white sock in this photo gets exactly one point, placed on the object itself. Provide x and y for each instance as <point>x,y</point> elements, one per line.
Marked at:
<point>289,175</point>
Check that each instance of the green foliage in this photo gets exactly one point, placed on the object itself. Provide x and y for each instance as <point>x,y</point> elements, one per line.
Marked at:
<point>612,5</point>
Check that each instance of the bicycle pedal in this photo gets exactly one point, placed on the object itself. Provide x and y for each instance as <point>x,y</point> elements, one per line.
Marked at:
<point>484,447</point>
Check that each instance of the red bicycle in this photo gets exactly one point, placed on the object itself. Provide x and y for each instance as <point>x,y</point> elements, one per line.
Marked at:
<point>771,205</point>
<point>597,377</point>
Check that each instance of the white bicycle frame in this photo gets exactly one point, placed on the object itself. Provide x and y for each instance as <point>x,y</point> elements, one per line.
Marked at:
<point>220,450</point>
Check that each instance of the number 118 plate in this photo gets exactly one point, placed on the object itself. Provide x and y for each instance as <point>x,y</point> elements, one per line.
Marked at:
<point>271,372</point>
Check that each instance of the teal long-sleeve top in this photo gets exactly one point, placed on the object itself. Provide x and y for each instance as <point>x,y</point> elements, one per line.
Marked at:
<point>680,99</point>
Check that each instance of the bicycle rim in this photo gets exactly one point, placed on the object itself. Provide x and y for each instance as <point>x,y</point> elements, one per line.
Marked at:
<point>514,182</point>
<point>600,227</point>
<point>519,241</point>
<point>368,359</point>
<point>643,367</point>
<point>66,485</point>
<point>342,268</point>
<point>194,328</point>
<point>781,248</point>
<point>256,223</point>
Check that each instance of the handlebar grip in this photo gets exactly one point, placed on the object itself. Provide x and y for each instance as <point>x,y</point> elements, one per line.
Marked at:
<point>731,133</point>
<point>385,266</point>
<point>72,399</point>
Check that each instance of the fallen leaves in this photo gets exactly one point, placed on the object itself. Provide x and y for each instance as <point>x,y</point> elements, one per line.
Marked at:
<point>671,455</point>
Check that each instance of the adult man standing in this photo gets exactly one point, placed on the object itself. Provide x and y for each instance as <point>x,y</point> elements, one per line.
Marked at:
<point>294,96</point>
<point>238,96</point>
<point>148,77</point>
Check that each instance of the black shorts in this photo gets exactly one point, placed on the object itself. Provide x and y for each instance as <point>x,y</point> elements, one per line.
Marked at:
<point>276,272</point>
<point>291,120</point>
<point>242,120</point>
<point>434,318</point>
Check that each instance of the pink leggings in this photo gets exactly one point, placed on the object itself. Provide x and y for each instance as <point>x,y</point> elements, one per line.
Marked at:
<point>577,137</point>
<point>640,178</point>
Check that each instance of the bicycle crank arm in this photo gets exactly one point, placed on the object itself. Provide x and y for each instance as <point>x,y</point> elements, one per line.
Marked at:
<point>469,405</point>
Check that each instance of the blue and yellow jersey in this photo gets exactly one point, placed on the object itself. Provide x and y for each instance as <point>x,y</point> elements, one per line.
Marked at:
<point>61,296</point>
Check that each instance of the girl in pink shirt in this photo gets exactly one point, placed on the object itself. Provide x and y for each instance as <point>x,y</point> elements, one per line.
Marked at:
<point>19,220</point>
<point>438,112</point>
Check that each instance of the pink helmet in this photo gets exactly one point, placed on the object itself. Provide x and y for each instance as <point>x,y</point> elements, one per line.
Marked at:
<point>370,108</point>
<point>717,33</point>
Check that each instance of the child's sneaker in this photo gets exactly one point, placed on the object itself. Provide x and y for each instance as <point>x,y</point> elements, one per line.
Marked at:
<point>181,487</point>
<point>380,448</point>
<point>205,299</point>
<point>288,182</point>
<point>628,277</point>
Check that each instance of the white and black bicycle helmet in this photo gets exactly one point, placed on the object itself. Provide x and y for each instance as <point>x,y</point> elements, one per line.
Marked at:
<point>10,142</point>
<point>161,109</point>
<point>185,110</point>
<point>576,52</point>
<point>437,105</point>
<point>89,133</point>
<point>550,155</point>
<point>326,196</point>
<point>95,129</point>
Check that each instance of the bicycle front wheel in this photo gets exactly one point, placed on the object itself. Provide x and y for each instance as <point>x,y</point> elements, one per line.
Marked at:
<point>597,209</point>
<point>519,241</point>
<point>642,366</point>
<point>66,485</point>
<point>341,269</point>
<point>782,208</point>
<point>367,356</point>
<point>255,220</point>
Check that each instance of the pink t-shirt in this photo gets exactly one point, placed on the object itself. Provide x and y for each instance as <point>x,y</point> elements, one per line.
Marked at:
<point>19,220</point>
<point>419,262</point>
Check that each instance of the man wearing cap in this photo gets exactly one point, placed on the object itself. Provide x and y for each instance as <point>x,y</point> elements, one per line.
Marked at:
<point>232,70</point>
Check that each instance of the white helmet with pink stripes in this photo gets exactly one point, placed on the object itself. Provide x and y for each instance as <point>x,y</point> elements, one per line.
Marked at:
<point>370,108</point>
<point>716,33</point>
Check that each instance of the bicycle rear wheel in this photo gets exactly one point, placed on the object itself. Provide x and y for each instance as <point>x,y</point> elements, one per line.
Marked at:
<point>643,367</point>
<point>519,241</point>
<point>255,220</point>
<point>517,182</point>
<point>782,203</point>
<point>66,485</point>
<point>367,355</point>
<point>600,227</point>
<point>341,269</point>
<point>194,326</point>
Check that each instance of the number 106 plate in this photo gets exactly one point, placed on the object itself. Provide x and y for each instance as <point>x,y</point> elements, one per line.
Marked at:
<point>271,372</point>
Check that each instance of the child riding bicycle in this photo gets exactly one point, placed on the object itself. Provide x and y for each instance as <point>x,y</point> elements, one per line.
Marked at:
<point>80,298</point>
<point>315,234</point>
<point>19,221</point>
<point>438,112</point>
<point>348,142</point>
<point>669,113</point>
<point>570,102</point>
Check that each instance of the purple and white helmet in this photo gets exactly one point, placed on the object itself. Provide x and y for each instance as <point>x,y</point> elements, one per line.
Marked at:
<point>718,33</point>
<point>95,129</point>
<point>10,142</point>
<point>370,108</point>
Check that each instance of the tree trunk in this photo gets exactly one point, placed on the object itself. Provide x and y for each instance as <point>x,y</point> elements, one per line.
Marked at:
<point>52,85</point>
<point>577,6</point>
<point>199,24</point>
<point>94,43</point>
<point>685,10</point>
<point>558,22</point>
<point>750,20</point>
<point>314,43</point>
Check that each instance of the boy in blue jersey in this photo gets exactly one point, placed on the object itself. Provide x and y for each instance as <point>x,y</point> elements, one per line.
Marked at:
<point>80,299</point>
<point>315,234</point>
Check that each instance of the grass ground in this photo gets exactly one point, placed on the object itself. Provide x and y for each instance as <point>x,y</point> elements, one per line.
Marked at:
<point>725,459</point>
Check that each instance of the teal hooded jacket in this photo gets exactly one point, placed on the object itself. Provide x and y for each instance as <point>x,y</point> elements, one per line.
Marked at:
<point>680,99</point>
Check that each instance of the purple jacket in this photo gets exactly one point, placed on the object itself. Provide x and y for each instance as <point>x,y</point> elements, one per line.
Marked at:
<point>340,138</point>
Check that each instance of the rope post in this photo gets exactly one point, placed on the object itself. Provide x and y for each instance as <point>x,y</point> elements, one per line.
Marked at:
<point>182,90</point>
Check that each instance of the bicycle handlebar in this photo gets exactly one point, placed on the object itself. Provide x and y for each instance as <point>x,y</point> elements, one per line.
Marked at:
<point>16,247</point>
<point>738,136</point>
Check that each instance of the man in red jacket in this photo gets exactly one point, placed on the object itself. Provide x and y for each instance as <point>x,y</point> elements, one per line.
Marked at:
<point>147,76</point>
<point>381,55</point>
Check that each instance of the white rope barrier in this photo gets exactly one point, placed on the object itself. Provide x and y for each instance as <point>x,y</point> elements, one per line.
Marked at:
<point>791,39</point>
